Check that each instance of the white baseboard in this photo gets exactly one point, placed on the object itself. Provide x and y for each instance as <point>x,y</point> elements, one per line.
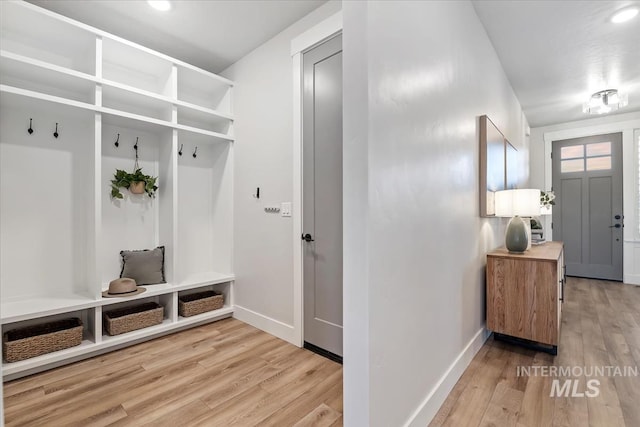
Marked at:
<point>632,279</point>
<point>429,407</point>
<point>267,324</point>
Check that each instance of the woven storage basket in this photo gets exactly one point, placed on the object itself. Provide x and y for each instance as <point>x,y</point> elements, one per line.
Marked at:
<point>31,341</point>
<point>200,302</point>
<point>129,319</point>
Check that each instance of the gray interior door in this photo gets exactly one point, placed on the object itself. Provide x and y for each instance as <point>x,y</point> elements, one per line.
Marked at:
<point>587,217</point>
<point>322,195</point>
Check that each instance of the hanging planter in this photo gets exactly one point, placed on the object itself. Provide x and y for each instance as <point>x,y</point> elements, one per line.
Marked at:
<point>137,182</point>
<point>137,187</point>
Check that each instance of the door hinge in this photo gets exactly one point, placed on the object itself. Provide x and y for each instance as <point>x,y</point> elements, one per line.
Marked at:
<point>552,226</point>
<point>552,154</point>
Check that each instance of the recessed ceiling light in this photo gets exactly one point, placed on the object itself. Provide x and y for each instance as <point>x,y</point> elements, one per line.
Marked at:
<point>624,15</point>
<point>162,5</point>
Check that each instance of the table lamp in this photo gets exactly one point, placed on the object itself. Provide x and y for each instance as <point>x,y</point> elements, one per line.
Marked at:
<point>517,204</point>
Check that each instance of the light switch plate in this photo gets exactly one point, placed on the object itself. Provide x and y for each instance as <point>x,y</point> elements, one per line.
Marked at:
<point>285,208</point>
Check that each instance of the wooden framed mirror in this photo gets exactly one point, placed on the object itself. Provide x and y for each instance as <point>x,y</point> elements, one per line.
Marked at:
<point>498,160</point>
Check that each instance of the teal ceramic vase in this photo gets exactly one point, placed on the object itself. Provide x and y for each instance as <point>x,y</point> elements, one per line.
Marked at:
<point>516,239</point>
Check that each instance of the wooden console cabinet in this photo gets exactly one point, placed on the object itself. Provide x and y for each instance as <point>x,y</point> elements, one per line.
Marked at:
<point>525,294</point>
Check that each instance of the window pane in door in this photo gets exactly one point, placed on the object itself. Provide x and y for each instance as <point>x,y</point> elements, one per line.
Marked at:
<point>576,165</point>
<point>599,149</point>
<point>572,152</point>
<point>599,163</point>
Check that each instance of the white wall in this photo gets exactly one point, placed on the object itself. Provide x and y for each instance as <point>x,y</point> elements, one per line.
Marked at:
<point>355,223</point>
<point>415,244</point>
<point>263,108</point>
<point>540,165</point>
<point>58,238</point>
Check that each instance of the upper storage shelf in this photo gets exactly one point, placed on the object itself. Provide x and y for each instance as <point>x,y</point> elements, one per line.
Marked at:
<point>204,89</point>
<point>35,33</point>
<point>124,63</point>
<point>35,75</point>
<point>48,56</point>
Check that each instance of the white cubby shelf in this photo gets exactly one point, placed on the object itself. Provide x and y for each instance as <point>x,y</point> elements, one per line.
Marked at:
<point>19,309</point>
<point>60,231</point>
<point>95,341</point>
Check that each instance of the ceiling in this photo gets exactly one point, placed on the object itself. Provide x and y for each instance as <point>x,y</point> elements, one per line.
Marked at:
<point>211,34</point>
<point>557,53</point>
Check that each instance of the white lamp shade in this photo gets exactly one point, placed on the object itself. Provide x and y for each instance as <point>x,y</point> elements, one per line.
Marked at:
<point>522,202</point>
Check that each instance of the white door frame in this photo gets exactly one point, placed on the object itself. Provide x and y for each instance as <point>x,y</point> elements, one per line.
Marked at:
<point>305,41</point>
<point>631,242</point>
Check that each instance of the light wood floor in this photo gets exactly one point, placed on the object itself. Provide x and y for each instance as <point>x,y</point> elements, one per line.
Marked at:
<point>221,374</point>
<point>229,373</point>
<point>600,327</point>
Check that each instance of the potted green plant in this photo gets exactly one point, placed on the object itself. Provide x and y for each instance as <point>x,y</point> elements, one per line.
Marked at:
<point>137,183</point>
<point>546,201</point>
<point>547,198</point>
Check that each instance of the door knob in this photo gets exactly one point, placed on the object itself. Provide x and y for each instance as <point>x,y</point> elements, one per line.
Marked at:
<point>617,217</point>
<point>615,226</point>
<point>307,238</point>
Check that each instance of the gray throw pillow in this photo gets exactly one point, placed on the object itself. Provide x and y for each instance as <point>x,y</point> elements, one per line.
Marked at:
<point>146,267</point>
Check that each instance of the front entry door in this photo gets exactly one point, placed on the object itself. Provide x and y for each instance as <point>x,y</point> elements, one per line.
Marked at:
<point>322,196</point>
<point>587,217</point>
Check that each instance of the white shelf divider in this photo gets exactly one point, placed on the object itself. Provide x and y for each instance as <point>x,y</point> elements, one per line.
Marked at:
<point>28,308</point>
<point>203,279</point>
<point>110,111</point>
<point>215,314</point>
<point>45,97</point>
<point>9,369</point>
<point>28,62</point>
<point>16,310</point>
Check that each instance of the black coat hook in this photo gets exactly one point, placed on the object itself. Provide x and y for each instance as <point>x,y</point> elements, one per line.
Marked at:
<point>257,195</point>
<point>55,133</point>
<point>180,150</point>
<point>117,143</point>
<point>30,130</point>
<point>136,166</point>
<point>195,153</point>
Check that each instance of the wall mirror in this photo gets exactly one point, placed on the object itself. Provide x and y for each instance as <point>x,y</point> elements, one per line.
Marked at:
<point>497,165</point>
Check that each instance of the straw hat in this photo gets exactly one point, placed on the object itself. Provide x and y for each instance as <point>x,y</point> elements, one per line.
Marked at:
<point>123,287</point>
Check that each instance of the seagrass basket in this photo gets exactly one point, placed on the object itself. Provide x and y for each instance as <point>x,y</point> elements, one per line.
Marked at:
<point>36,340</point>
<point>127,319</point>
<point>199,302</point>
